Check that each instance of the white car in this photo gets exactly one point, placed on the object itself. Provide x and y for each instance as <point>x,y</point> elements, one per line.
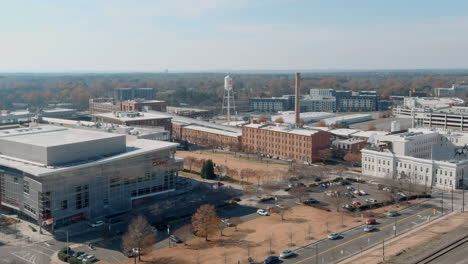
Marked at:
<point>333,236</point>
<point>286,254</point>
<point>89,258</point>
<point>262,212</point>
<point>369,228</point>
<point>362,192</point>
<point>370,200</point>
<point>83,256</point>
<point>96,224</point>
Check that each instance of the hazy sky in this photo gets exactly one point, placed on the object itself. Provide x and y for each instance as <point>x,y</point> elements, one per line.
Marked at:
<point>201,35</point>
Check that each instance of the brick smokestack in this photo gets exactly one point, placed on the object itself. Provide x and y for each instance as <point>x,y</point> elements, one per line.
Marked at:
<point>297,107</point>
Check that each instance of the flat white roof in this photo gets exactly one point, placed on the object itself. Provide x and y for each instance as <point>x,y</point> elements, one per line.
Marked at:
<point>45,136</point>
<point>213,130</point>
<point>142,116</point>
<point>348,117</point>
<point>348,141</point>
<point>346,132</point>
<point>289,116</point>
<point>135,147</point>
<point>367,134</point>
<point>285,129</point>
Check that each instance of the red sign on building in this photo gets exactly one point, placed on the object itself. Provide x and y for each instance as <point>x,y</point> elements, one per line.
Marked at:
<point>159,162</point>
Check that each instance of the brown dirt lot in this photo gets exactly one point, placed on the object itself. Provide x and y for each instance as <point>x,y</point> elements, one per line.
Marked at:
<point>256,233</point>
<point>271,171</point>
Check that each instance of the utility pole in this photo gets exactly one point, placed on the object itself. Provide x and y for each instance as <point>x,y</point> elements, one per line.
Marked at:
<point>383,250</point>
<point>442,202</point>
<point>452,197</point>
<point>394,226</point>
<point>316,253</point>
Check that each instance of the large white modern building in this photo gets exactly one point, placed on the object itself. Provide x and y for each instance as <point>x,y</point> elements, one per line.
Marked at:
<point>428,157</point>
<point>57,176</point>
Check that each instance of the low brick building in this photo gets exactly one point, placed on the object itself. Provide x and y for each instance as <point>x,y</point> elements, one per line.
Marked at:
<point>206,136</point>
<point>352,145</point>
<point>287,143</point>
<point>107,105</point>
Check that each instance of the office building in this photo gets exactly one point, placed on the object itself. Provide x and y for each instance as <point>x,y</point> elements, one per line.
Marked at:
<point>135,119</point>
<point>273,104</point>
<point>318,104</point>
<point>107,105</point>
<point>58,176</point>
<point>123,94</point>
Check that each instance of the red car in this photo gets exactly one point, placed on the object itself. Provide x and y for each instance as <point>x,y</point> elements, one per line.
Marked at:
<point>355,203</point>
<point>371,221</point>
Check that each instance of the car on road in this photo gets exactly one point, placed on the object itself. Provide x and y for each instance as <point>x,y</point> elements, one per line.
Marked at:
<point>369,228</point>
<point>393,213</point>
<point>271,260</point>
<point>371,200</point>
<point>262,212</point>
<point>401,194</point>
<point>350,188</point>
<point>348,206</point>
<point>272,209</point>
<point>317,179</point>
<point>371,221</point>
<point>227,222</point>
<point>286,254</point>
<point>356,203</point>
<point>333,236</point>
<point>267,198</point>
<point>96,223</point>
<point>175,239</point>
<point>362,192</point>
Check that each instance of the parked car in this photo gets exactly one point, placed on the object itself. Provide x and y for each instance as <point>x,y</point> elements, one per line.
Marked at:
<point>131,254</point>
<point>317,179</point>
<point>370,200</point>
<point>310,201</point>
<point>262,212</point>
<point>393,213</point>
<point>333,236</point>
<point>386,189</point>
<point>76,254</point>
<point>356,203</point>
<point>362,192</point>
<point>96,223</point>
<point>271,260</point>
<point>83,256</point>
<point>137,250</point>
<point>89,258</point>
<point>348,206</point>
<point>286,254</point>
<point>226,222</point>
<point>350,188</point>
<point>161,226</point>
<point>266,198</point>
<point>369,228</point>
<point>175,239</point>
<point>401,194</point>
<point>115,220</point>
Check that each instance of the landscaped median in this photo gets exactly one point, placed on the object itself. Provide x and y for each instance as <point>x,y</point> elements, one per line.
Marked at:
<point>264,236</point>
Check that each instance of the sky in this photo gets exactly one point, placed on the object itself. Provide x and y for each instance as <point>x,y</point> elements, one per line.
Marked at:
<point>217,35</point>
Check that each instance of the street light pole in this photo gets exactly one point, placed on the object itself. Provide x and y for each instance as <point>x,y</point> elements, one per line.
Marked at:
<point>452,197</point>
<point>442,202</point>
<point>316,253</point>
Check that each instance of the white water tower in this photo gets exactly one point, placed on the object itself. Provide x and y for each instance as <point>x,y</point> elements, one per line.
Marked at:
<point>228,99</point>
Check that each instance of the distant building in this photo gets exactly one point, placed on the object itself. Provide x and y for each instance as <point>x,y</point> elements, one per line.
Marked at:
<point>190,112</point>
<point>302,145</point>
<point>347,119</point>
<point>318,104</point>
<point>456,88</point>
<point>308,117</point>
<point>135,119</point>
<point>351,145</point>
<point>364,101</point>
<point>208,137</point>
<point>272,104</point>
<point>107,105</point>
<point>316,93</point>
<point>123,94</point>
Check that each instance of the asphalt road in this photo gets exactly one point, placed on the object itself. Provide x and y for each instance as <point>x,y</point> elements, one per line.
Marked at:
<point>354,240</point>
<point>455,256</point>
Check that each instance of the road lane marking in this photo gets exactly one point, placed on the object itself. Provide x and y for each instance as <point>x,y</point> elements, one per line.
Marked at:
<point>359,237</point>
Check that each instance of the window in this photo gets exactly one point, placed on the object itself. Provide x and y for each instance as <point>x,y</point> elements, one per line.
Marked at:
<point>26,187</point>
<point>64,204</point>
<point>105,201</point>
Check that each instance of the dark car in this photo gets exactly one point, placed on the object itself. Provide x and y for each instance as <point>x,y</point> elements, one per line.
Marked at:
<point>161,226</point>
<point>131,254</point>
<point>271,260</point>
<point>115,220</point>
<point>175,239</point>
<point>76,254</point>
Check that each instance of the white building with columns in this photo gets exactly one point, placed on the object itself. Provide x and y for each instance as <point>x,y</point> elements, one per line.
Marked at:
<point>429,157</point>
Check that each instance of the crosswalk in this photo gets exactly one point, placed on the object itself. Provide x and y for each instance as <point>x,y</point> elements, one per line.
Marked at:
<point>35,254</point>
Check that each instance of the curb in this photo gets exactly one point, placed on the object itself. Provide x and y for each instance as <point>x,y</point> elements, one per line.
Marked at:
<point>358,254</point>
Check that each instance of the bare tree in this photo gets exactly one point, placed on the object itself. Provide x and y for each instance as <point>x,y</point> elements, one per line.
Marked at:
<point>139,235</point>
<point>282,212</point>
<point>337,198</point>
<point>298,192</point>
<point>279,120</point>
<point>189,161</point>
<point>340,168</point>
<point>221,226</point>
<point>236,221</point>
<point>309,232</point>
<point>205,220</point>
<point>270,243</point>
<point>291,236</point>
<point>325,154</point>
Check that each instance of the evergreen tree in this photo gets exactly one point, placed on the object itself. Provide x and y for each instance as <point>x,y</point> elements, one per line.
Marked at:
<point>207,171</point>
